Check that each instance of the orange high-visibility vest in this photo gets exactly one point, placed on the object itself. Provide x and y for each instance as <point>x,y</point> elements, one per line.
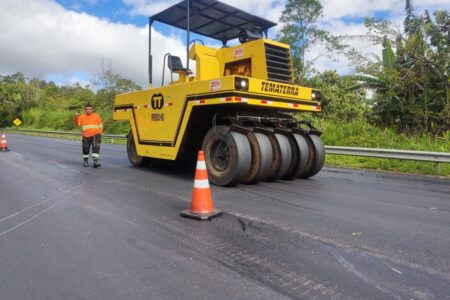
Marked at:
<point>91,125</point>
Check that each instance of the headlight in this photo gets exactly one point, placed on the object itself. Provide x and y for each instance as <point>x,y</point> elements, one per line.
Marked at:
<point>315,95</point>
<point>241,83</point>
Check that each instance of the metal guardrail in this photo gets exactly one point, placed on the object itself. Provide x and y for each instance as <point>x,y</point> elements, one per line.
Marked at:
<point>57,133</point>
<point>435,157</point>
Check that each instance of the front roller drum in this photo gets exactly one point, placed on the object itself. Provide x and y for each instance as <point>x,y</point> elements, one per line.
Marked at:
<point>228,156</point>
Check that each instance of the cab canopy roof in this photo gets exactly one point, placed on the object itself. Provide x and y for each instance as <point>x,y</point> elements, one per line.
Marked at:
<point>211,18</point>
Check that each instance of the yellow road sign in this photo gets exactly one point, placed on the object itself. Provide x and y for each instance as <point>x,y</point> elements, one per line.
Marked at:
<point>17,122</point>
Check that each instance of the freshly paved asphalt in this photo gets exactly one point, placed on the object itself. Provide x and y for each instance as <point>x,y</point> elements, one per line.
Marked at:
<point>68,232</point>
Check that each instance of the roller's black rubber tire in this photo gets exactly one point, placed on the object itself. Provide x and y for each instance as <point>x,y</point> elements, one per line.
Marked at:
<point>255,165</point>
<point>266,156</point>
<point>262,158</point>
<point>316,156</point>
<point>228,156</point>
<point>304,154</point>
<point>319,157</point>
<point>135,159</point>
<point>286,156</point>
<point>276,154</point>
<point>290,174</point>
<point>311,158</point>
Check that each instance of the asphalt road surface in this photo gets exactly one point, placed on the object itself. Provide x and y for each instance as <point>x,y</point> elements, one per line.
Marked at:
<point>68,232</point>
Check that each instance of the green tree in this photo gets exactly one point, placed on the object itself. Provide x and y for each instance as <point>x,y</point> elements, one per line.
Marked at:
<point>300,30</point>
<point>411,88</point>
<point>13,89</point>
<point>344,99</point>
<point>108,84</point>
<point>43,104</point>
<point>77,96</point>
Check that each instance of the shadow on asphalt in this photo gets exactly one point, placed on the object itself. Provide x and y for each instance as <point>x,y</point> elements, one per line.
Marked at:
<point>179,170</point>
<point>182,170</point>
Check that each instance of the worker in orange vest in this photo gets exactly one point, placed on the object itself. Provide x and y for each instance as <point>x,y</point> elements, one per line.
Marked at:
<point>92,127</point>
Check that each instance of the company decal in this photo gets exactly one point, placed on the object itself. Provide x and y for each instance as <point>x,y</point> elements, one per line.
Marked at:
<point>157,101</point>
<point>157,117</point>
<point>239,52</point>
<point>215,85</point>
<point>272,87</point>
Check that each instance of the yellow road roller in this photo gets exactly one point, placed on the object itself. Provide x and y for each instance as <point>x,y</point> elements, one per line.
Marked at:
<point>237,104</point>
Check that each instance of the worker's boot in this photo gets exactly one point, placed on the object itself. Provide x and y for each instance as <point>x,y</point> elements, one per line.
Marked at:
<point>85,162</point>
<point>96,163</point>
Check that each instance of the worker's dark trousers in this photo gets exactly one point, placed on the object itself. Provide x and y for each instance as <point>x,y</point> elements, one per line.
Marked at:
<point>95,142</point>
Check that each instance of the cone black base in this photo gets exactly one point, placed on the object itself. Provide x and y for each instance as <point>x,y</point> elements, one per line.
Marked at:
<point>201,217</point>
<point>4,150</point>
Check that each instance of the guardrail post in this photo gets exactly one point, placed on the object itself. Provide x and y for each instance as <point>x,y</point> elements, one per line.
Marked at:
<point>438,169</point>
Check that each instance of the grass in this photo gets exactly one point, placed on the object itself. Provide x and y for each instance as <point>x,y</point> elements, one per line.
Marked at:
<point>362,134</point>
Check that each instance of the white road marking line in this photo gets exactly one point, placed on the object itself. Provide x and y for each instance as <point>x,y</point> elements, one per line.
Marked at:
<point>35,216</point>
<point>395,270</point>
<point>31,219</point>
<point>37,204</point>
<point>377,253</point>
<point>350,267</point>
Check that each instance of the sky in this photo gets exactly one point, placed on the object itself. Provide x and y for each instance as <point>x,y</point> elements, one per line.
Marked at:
<point>70,41</point>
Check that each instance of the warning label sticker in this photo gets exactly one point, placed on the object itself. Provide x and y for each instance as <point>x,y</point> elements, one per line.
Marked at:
<point>239,52</point>
<point>215,85</point>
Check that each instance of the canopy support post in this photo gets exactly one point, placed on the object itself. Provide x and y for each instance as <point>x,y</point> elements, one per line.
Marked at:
<point>188,20</point>
<point>150,58</point>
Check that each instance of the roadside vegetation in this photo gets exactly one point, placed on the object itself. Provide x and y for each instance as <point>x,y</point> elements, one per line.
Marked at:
<point>362,134</point>
<point>399,99</point>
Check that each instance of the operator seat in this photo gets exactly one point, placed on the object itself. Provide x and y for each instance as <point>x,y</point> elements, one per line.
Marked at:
<point>176,66</point>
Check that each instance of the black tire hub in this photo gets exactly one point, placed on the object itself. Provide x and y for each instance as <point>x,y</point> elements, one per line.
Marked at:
<point>220,155</point>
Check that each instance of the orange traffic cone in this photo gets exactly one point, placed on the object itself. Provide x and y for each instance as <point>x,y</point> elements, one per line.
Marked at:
<point>202,205</point>
<point>3,143</point>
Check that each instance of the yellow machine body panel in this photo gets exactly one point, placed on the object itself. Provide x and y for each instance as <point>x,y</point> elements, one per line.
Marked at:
<point>159,117</point>
<point>248,59</point>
